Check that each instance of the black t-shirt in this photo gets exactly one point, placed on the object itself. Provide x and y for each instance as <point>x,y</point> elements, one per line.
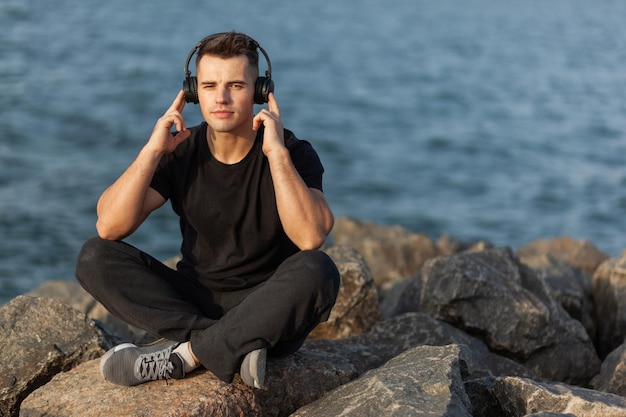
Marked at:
<point>232,236</point>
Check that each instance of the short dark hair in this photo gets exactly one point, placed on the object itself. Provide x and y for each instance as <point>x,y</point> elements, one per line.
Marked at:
<point>229,45</point>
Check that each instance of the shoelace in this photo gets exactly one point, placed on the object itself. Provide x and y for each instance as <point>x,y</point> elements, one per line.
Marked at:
<point>156,365</point>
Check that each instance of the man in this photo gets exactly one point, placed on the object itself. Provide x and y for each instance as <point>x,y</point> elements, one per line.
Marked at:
<point>252,279</point>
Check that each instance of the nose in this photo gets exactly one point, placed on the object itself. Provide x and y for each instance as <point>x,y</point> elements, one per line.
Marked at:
<point>221,94</point>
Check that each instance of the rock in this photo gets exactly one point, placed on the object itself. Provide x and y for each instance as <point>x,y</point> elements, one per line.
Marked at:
<point>478,329</point>
<point>514,396</point>
<point>391,252</point>
<point>424,381</point>
<point>292,382</point>
<point>449,246</point>
<point>401,296</point>
<point>580,253</point>
<point>357,308</point>
<point>392,337</point>
<point>71,293</point>
<point>609,293</point>
<point>612,376</point>
<point>571,286</point>
<point>491,295</point>
<point>40,338</point>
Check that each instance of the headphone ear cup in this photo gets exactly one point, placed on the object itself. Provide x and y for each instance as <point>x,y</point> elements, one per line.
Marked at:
<point>190,88</point>
<point>262,89</point>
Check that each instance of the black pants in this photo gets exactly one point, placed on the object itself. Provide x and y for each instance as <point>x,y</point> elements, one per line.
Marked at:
<point>223,327</point>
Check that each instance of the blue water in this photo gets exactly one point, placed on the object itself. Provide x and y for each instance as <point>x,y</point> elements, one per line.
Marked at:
<point>483,119</point>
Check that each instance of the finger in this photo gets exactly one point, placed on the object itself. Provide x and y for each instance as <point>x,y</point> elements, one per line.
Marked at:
<point>272,104</point>
<point>257,121</point>
<point>182,136</point>
<point>179,121</point>
<point>178,104</point>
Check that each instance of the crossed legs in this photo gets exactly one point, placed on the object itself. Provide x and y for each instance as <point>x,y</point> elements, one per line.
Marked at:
<point>222,327</point>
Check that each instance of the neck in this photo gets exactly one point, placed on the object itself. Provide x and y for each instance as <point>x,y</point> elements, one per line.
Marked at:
<point>229,148</point>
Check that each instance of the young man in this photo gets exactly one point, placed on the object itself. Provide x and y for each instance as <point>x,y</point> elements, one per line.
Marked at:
<point>252,279</point>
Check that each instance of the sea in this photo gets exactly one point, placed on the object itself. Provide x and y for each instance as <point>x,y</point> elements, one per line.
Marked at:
<point>494,120</point>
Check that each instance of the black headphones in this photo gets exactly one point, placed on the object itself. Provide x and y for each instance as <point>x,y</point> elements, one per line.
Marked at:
<point>262,88</point>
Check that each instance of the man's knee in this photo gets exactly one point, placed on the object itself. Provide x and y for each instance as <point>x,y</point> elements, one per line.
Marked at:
<point>319,275</point>
<point>87,261</point>
<point>92,258</point>
<point>317,265</point>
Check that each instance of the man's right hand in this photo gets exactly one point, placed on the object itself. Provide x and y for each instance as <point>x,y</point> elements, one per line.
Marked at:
<point>162,140</point>
<point>124,205</point>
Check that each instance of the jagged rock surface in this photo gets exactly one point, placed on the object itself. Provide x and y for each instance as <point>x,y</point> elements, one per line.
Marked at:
<point>506,331</point>
<point>40,338</point>
<point>357,308</point>
<point>391,252</point>
<point>492,295</point>
<point>609,292</point>
<point>424,381</point>
<point>514,396</point>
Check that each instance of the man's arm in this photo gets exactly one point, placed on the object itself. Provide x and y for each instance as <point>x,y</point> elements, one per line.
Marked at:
<point>304,212</point>
<point>124,205</point>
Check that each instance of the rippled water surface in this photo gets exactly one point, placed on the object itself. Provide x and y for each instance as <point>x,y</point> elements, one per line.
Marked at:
<point>494,120</point>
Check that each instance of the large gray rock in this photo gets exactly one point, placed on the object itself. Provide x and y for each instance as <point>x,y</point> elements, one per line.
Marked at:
<point>391,252</point>
<point>392,337</point>
<point>357,308</point>
<point>401,296</point>
<point>490,294</point>
<point>39,338</point>
<point>612,376</point>
<point>571,286</point>
<point>609,292</point>
<point>514,396</point>
<point>115,331</point>
<point>424,381</point>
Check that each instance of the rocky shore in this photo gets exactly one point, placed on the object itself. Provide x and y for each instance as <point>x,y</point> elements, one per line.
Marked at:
<point>421,328</point>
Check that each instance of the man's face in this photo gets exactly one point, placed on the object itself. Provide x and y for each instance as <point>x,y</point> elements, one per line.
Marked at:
<point>226,93</point>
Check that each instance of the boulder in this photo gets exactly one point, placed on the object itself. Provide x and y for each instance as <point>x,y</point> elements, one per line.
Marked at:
<point>609,293</point>
<point>292,382</point>
<point>447,245</point>
<point>579,253</point>
<point>424,381</point>
<point>515,396</point>
<point>39,338</point>
<point>612,376</point>
<point>357,308</point>
<point>115,331</point>
<point>401,296</point>
<point>492,295</point>
<point>392,337</point>
<point>571,286</point>
<point>391,252</point>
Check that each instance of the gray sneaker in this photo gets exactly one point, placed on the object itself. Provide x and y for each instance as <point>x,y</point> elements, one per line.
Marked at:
<point>252,369</point>
<point>129,365</point>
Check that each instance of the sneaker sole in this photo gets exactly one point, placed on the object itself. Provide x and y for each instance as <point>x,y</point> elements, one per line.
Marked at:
<point>110,353</point>
<point>257,367</point>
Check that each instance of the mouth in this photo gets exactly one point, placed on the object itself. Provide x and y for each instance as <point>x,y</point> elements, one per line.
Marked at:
<point>222,114</point>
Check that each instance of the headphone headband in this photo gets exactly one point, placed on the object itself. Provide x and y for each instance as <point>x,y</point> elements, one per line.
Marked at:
<point>263,85</point>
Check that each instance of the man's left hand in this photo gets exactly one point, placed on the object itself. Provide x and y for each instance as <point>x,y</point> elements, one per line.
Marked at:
<point>273,136</point>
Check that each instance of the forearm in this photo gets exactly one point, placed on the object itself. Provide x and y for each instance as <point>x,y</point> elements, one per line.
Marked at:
<point>304,213</point>
<point>121,207</point>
